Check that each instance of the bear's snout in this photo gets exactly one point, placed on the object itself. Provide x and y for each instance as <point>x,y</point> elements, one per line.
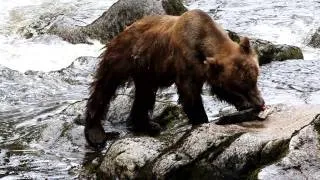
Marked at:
<point>258,103</point>
<point>254,101</point>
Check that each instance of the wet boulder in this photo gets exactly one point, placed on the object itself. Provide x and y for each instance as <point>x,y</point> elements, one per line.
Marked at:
<point>287,142</point>
<point>109,24</point>
<point>268,51</point>
<point>115,19</point>
<point>315,39</point>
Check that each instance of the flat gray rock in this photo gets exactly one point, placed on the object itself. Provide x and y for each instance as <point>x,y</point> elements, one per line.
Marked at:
<point>272,148</point>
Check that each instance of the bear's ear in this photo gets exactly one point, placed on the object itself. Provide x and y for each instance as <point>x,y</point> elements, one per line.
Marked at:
<point>214,66</point>
<point>245,44</point>
<point>209,60</point>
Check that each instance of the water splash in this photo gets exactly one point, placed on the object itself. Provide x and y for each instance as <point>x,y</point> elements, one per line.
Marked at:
<point>44,52</point>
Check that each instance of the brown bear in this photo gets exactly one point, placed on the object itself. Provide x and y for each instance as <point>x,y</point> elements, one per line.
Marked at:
<point>157,51</point>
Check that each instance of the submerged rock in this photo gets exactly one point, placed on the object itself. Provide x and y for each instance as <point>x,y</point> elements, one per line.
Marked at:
<point>315,39</point>
<point>286,138</point>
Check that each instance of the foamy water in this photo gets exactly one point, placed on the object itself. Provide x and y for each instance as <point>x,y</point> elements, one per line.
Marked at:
<point>47,52</point>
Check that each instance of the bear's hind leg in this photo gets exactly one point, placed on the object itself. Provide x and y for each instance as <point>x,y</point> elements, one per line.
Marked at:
<point>97,106</point>
<point>108,79</point>
<point>145,96</point>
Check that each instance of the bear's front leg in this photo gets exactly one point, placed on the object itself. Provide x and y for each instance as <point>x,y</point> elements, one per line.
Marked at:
<point>191,101</point>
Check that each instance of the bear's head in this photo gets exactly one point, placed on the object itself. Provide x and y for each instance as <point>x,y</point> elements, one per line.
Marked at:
<point>233,76</point>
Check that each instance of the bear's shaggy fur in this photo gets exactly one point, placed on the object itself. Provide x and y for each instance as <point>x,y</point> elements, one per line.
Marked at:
<point>157,51</point>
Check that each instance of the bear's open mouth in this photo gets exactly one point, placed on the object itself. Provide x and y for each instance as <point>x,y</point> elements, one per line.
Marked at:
<point>257,108</point>
<point>237,117</point>
<point>262,107</point>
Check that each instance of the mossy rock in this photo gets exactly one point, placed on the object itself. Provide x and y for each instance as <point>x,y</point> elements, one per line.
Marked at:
<point>174,7</point>
<point>268,51</point>
<point>234,36</point>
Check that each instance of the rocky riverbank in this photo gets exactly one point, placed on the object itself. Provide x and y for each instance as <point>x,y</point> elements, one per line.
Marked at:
<point>283,145</point>
<point>42,116</point>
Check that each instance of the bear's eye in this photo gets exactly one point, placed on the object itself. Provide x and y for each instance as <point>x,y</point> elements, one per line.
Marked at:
<point>251,83</point>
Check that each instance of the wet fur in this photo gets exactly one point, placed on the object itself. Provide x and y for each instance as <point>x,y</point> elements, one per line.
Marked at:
<point>159,51</point>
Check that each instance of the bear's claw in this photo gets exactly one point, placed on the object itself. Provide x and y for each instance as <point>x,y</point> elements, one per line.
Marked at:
<point>97,137</point>
<point>151,128</point>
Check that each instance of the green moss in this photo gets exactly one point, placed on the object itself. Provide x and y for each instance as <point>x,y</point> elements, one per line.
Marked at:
<point>268,52</point>
<point>289,53</point>
<point>233,36</point>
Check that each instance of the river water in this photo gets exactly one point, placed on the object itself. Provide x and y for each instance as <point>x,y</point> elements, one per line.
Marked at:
<point>42,96</point>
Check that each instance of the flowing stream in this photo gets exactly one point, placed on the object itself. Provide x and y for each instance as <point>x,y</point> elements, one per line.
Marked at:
<point>44,80</point>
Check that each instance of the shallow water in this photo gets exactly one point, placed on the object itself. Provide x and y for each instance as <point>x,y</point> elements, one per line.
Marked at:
<point>32,139</point>
<point>41,135</point>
